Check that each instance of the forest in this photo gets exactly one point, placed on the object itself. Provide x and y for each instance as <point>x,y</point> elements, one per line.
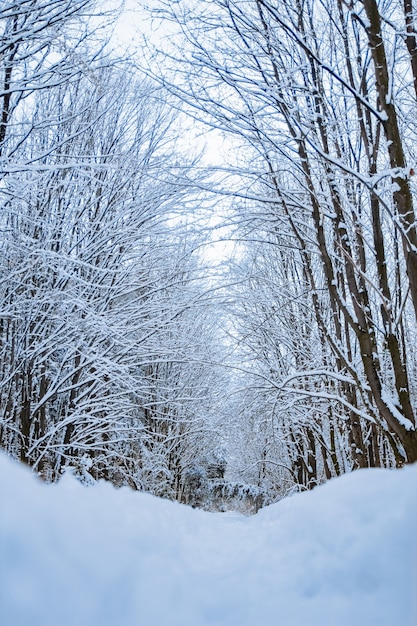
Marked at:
<point>208,244</point>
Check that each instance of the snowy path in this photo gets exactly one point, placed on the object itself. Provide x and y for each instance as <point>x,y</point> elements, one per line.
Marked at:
<point>344,554</point>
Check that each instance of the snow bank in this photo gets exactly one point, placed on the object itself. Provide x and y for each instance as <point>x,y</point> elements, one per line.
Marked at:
<point>343,554</point>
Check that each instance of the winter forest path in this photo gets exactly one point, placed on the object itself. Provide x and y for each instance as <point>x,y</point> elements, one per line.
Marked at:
<point>98,556</point>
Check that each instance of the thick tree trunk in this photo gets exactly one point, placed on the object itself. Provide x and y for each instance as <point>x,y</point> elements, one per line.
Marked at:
<point>402,194</point>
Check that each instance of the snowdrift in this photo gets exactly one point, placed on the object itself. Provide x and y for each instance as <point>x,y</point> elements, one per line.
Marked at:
<point>343,554</point>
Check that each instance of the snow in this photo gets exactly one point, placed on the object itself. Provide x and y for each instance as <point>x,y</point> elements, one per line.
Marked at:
<point>343,554</point>
<point>390,402</point>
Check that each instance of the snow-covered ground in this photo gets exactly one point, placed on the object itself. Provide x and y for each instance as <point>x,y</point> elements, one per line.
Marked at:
<point>342,555</point>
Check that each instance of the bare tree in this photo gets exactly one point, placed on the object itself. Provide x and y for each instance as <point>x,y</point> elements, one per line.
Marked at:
<point>320,95</point>
<point>100,290</point>
<point>43,45</point>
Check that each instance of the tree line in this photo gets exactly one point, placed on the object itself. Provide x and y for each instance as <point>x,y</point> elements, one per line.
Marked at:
<point>118,357</point>
<point>106,327</point>
<point>318,99</point>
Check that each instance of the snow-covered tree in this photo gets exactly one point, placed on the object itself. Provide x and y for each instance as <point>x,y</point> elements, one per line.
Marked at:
<point>106,327</point>
<point>320,98</point>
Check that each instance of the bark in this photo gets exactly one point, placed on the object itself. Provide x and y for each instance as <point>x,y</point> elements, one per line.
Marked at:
<point>400,178</point>
<point>311,459</point>
<point>410,39</point>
